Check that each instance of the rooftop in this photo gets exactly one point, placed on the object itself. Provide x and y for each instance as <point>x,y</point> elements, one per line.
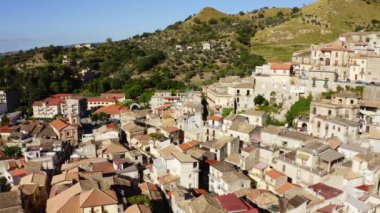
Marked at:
<point>231,203</point>
<point>274,174</point>
<point>325,191</point>
<point>223,166</point>
<point>219,143</point>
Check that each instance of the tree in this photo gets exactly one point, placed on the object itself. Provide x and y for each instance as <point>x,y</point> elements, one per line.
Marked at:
<point>197,20</point>
<point>295,10</point>
<point>156,135</point>
<point>12,151</point>
<point>54,87</point>
<point>301,107</point>
<point>280,14</point>
<point>4,120</point>
<point>226,112</point>
<point>134,91</point>
<point>212,21</point>
<point>205,109</point>
<point>140,199</point>
<point>259,100</point>
<point>109,40</point>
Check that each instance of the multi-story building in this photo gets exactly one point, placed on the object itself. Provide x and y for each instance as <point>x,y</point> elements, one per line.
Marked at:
<point>231,92</point>
<point>60,104</point>
<point>9,100</point>
<point>172,161</point>
<point>97,102</point>
<point>364,68</point>
<point>335,117</point>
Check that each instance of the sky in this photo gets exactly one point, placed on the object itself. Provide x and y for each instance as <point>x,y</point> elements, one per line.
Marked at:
<point>27,24</point>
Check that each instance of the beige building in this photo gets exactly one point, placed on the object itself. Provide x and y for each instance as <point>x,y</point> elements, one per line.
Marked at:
<point>335,117</point>
<point>365,68</point>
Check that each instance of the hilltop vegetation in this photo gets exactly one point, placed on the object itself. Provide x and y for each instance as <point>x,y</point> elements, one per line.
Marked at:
<point>319,22</point>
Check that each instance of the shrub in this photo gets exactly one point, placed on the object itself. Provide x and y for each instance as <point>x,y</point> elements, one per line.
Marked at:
<point>226,112</point>
<point>259,99</point>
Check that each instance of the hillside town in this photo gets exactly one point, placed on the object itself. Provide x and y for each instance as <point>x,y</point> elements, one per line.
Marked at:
<point>300,136</point>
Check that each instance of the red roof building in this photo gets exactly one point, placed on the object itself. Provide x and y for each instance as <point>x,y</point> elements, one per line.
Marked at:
<point>231,203</point>
<point>112,109</point>
<point>326,191</point>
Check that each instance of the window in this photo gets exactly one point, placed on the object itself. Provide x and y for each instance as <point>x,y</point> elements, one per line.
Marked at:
<point>195,165</point>
<point>314,110</point>
<point>326,81</point>
<point>314,79</point>
<point>338,129</point>
<point>238,92</point>
<point>329,112</point>
<point>284,143</point>
<point>318,124</point>
<point>283,168</point>
<point>352,101</point>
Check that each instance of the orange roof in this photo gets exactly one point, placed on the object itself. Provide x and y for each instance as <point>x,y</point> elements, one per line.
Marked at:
<point>114,148</point>
<point>286,187</point>
<point>188,145</point>
<point>18,172</point>
<point>200,191</point>
<point>275,174</point>
<point>101,99</point>
<point>138,208</point>
<point>6,129</point>
<point>59,124</point>
<point>112,109</point>
<point>211,162</point>
<point>216,118</point>
<point>280,66</point>
<point>111,126</point>
<point>96,197</point>
<point>170,129</point>
<point>103,167</point>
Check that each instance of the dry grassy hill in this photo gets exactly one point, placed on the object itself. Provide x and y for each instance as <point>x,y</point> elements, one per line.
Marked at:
<point>318,22</point>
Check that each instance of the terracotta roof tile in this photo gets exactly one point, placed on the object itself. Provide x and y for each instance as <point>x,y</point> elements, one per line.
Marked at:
<point>325,190</point>
<point>59,124</point>
<point>280,66</point>
<point>188,145</point>
<point>231,203</point>
<point>216,118</point>
<point>96,197</point>
<point>112,109</point>
<point>103,167</point>
<point>286,187</point>
<point>138,208</point>
<point>18,172</point>
<point>275,174</point>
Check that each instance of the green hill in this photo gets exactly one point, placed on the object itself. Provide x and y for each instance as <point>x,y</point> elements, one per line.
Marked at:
<point>173,58</point>
<point>316,23</point>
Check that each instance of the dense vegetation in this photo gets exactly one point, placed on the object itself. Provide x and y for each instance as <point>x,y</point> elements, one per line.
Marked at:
<point>174,58</point>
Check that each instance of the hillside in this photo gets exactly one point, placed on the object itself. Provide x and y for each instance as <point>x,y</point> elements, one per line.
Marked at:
<point>187,54</point>
<point>319,22</point>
